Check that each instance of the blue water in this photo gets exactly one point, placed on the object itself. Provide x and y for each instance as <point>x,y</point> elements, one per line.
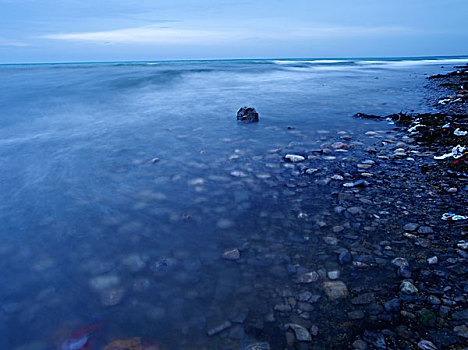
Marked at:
<point>81,197</point>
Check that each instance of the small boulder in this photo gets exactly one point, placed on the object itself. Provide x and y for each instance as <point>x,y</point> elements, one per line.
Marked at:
<point>247,114</point>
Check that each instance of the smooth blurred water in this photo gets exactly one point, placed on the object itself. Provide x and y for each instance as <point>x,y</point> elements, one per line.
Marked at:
<point>80,196</point>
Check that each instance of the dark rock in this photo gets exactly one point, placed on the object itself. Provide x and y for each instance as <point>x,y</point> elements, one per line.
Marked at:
<point>393,305</point>
<point>247,114</point>
<point>425,230</point>
<point>363,299</point>
<point>345,257</point>
<point>461,315</point>
<point>375,339</point>
<point>410,227</point>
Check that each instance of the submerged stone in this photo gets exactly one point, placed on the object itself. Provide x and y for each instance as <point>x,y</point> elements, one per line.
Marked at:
<point>335,289</point>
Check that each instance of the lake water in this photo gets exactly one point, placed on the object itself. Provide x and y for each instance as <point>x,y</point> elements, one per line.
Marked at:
<point>92,228</point>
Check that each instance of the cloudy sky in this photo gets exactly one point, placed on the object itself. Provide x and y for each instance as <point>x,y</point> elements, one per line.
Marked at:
<point>112,30</point>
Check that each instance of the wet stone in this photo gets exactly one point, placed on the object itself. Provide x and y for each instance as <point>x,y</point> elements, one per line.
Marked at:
<point>393,305</point>
<point>345,257</point>
<point>112,296</point>
<point>356,315</point>
<point>308,277</point>
<point>461,331</point>
<point>425,230</point>
<point>304,296</point>
<point>335,289</point>
<point>363,299</point>
<point>410,227</point>
<point>104,282</point>
<point>232,254</point>
<point>302,334</point>
<point>407,287</point>
<point>218,329</point>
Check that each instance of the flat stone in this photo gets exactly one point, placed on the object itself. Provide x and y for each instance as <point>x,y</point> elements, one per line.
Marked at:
<point>302,334</point>
<point>104,282</point>
<point>231,254</point>
<point>460,315</point>
<point>462,331</point>
<point>363,299</point>
<point>112,297</point>
<point>333,275</point>
<point>218,329</point>
<point>356,315</point>
<point>309,277</point>
<point>425,230</point>
<point>282,308</point>
<point>335,289</point>
<point>294,158</point>
<point>410,227</point>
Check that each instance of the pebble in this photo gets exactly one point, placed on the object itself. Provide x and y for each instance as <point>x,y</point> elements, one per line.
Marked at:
<point>335,289</point>
<point>363,299</point>
<point>393,305</point>
<point>462,331</point>
<point>427,345</point>
<point>294,158</point>
<point>345,257</point>
<point>218,329</point>
<point>410,227</point>
<point>231,254</point>
<point>333,275</point>
<point>104,282</point>
<point>309,277</point>
<point>356,315</point>
<point>425,230</point>
<point>112,296</point>
<point>408,288</point>
<point>302,334</point>
<point>433,260</point>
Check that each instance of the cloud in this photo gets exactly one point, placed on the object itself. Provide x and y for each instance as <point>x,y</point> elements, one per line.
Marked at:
<point>158,35</point>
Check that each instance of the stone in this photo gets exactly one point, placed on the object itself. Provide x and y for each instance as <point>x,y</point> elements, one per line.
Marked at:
<point>393,305</point>
<point>294,158</point>
<point>356,315</point>
<point>363,299</point>
<point>282,308</point>
<point>304,296</point>
<point>360,345</point>
<point>302,334</point>
<point>427,318</point>
<point>335,289</point>
<point>309,277</point>
<point>218,329</point>
<point>104,282</point>
<point>425,230</point>
<point>375,339</point>
<point>112,297</point>
<point>333,275</point>
<point>231,254</point>
<point>400,262</point>
<point>247,114</point>
<point>427,345</point>
<point>462,331</point>
<point>339,145</point>
<point>433,260</point>
<point>133,263</point>
<point>345,257</point>
<point>406,287</point>
<point>461,315</point>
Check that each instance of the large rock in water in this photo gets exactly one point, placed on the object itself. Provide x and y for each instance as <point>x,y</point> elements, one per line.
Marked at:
<point>247,114</point>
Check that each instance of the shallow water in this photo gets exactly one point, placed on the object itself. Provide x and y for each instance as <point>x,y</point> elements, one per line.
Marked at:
<point>81,198</point>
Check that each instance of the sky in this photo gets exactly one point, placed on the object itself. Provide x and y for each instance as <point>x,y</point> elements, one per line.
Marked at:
<point>128,30</point>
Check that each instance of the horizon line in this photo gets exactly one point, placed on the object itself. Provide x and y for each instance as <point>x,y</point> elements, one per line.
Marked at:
<point>243,59</point>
